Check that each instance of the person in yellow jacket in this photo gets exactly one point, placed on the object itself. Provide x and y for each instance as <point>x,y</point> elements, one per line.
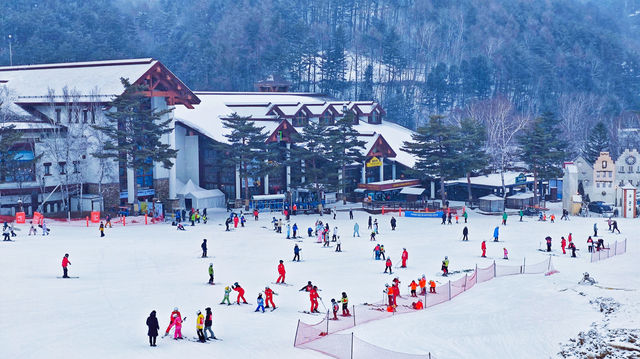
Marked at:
<point>200,327</point>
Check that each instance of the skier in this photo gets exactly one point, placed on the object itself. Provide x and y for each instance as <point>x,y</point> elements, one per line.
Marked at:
<point>296,253</point>
<point>444,218</point>
<point>335,234</point>
<point>595,229</point>
<point>175,313</point>
<point>200,327</point>
<point>483,246</point>
<point>208,322</point>
<point>227,222</point>
<point>382,251</point>
<point>590,244</point>
<point>177,322</point>
<point>600,244</point>
<point>369,226</point>
<point>255,214</point>
<point>306,288</point>
<point>193,218</point>
<point>393,223</point>
<point>180,227</point>
<point>496,233</point>
<point>227,291</point>
<point>465,234</point>
<point>350,213</point>
<point>388,266</point>
<point>573,248</point>
<point>5,233</point>
<point>396,292</point>
<point>445,266</point>
<point>33,230</point>
<point>345,305</point>
<point>521,213</point>
<point>465,215</point>
<point>389,291</point>
<point>373,236</point>
<point>339,246</point>
<point>432,286</point>
<point>615,227</point>
<point>310,232</point>
<point>204,218</point>
<point>553,218</point>
<point>405,256</point>
<point>422,282</point>
<point>417,305</point>
<point>548,239</point>
<point>563,244</point>
<point>295,230</point>
<point>281,272</point>
<point>204,248</point>
<point>375,225</point>
<point>376,251</point>
<point>235,221</point>
<point>101,229</point>
<point>242,220</point>
<point>413,286</point>
<point>504,218</point>
<point>313,297</point>
<point>268,292</point>
<point>240,291</point>
<point>260,303</point>
<point>456,218</point>
<point>45,230</point>
<point>506,253</point>
<point>65,264</point>
<point>288,231</point>
<point>449,218</point>
<point>334,307</point>
<point>609,223</point>
<point>211,273</point>
<point>108,221</point>
<point>152,323</point>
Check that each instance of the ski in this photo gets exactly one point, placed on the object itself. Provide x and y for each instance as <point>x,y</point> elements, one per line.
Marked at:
<point>70,277</point>
<point>306,312</point>
<point>284,284</point>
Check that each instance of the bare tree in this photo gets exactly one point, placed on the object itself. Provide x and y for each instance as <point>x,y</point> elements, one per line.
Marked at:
<point>503,124</point>
<point>578,113</point>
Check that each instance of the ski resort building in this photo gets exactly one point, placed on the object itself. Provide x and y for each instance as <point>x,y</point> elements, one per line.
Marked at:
<point>55,106</point>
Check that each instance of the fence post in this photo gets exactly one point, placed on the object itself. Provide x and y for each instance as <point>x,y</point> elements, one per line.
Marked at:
<point>327,320</point>
<point>296,337</point>
<point>354,315</point>
<point>615,250</point>
<point>524,265</point>
<point>465,282</point>
<point>449,290</point>
<point>351,345</point>
<point>494,268</point>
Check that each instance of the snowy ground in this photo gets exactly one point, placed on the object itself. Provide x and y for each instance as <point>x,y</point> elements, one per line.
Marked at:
<point>136,269</point>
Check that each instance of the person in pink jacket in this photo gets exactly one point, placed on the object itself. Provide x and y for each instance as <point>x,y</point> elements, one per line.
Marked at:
<point>177,322</point>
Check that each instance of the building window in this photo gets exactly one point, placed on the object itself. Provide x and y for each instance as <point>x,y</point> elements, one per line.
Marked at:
<point>374,118</point>
<point>47,169</point>
<point>85,116</point>
<point>326,119</point>
<point>604,164</point>
<point>93,116</point>
<point>610,174</point>
<point>58,112</point>
<point>76,166</point>
<point>300,119</point>
<point>63,167</point>
<point>621,169</point>
<point>70,113</point>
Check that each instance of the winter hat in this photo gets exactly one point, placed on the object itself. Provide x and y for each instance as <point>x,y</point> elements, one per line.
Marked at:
<point>175,309</point>
<point>226,288</point>
<point>208,309</point>
<point>198,312</point>
<point>210,264</point>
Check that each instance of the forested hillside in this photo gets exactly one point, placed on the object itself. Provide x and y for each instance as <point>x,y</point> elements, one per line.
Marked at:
<point>573,58</point>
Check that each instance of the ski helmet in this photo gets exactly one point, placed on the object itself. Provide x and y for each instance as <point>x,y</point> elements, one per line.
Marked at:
<point>66,254</point>
<point>175,309</point>
<point>445,257</point>
<point>226,288</point>
<point>210,264</point>
<point>198,312</point>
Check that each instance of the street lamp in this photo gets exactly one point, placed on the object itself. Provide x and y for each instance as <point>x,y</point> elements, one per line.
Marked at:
<point>10,53</point>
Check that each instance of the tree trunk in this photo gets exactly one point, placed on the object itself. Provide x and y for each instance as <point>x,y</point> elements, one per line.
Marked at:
<point>535,185</point>
<point>443,195</point>
<point>246,185</point>
<point>469,187</point>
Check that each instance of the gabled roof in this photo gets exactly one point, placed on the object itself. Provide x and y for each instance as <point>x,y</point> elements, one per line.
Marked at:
<point>378,146</point>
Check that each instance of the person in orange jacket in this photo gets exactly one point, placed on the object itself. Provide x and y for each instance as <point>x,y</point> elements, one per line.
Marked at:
<point>281,272</point>
<point>240,291</point>
<point>175,313</point>
<point>405,256</point>
<point>268,293</point>
<point>413,287</point>
<point>483,246</point>
<point>432,287</point>
<point>388,266</point>
<point>389,291</point>
<point>417,305</point>
<point>563,244</point>
<point>313,297</point>
<point>422,282</point>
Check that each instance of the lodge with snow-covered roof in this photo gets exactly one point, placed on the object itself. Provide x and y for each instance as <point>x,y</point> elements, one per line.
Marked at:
<point>56,104</point>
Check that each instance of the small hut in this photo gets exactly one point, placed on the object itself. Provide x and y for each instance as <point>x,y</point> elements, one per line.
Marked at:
<point>491,203</point>
<point>521,200</point>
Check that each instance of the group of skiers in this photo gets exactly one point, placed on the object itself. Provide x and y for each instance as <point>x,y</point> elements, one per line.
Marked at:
<point>204,323</point>
<point>448,216</point>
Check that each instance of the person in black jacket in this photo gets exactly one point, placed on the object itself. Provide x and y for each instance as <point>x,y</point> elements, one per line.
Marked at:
<point>465,234</point>
<point>393,223</point>
<point>152,323</point>
<point>208,322</point>
<point>204,248</point>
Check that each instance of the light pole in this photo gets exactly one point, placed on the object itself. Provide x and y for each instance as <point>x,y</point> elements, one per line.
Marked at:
<point>10,53</point>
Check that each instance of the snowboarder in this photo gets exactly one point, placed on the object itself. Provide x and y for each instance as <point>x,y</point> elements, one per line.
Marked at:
<point>393,223</point>
<point>200,327</point>
<point>573,248</point>
<point>413,286</point>
<point>175,313</point>
<point>595,229</point>
<point>268,292</point>
<point>465,234</point>
<point>615,227</point>
<point>260,303</point>
<point>388,266</point>
<point>590,244</point>
<point>504,218</point>
<point>483,246</point>
<point>345,305</point>
<point>296,253</point>
<point>334,307</point>
<point>496,232</point>
<point>281,272</point>
<point>65,264</point>
<point>445,266</point>
<point>405,256</point>
<point>295,230</point>
<point>339,246</point>
<point>506,253</point>
<point>204,248</point>
<point>240,291</point>
<point>101,229</point>
<point>548,239</point>
<point>152,323</point>
<point>563,244</point>
<point>227,291</point>
<point>208,322</point>
<point>211,273</point>
<point>177,323</point>
<point>313,297</point>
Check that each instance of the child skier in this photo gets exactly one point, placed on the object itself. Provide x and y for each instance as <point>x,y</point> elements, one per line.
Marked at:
<point>227,291</point>
<point>405,256</point>
<point>295,230</point>
<point>240,291</point>
<point>65,264</point>
<point>388,266</point>
<point>211,273</point>
<point>422,282</point>
<point>296,253</point>
<point>175,313</point>
<point>339,246</point>
<point>573,248</point>
<point>506,253</point>
<point>483,246</point>
<point>200,327</point>
<point>345,305</point>
<point>445,266</point>
<point>334,307</point>
<point>101,229</point>
<point>413,287</point>
<point>177,322</point>
<point>268,292</point>
<point>432,286</point>
<point>260,303</point>
<point>382,251</point>
<point>281,272</point>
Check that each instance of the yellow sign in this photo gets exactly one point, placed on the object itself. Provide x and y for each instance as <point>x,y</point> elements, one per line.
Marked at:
<point>374,162</point>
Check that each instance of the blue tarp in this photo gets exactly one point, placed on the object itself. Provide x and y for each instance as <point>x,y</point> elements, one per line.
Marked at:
<point>437,214</point>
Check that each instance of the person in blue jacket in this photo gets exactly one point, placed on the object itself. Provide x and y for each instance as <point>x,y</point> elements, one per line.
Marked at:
<point>296,253</point>
<point>260,303</point>
<point>495,234</point>
<point>295,230</point>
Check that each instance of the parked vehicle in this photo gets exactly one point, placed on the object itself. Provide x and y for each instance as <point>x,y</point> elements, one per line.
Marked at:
<point>600,207</point>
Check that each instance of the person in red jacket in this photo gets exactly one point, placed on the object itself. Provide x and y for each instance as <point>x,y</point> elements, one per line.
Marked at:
<point>174,314</point>
<point>405,256</point>
<point>65,264</point>
<point>281,272</point>
<point>255,214</point>
<point>268,293</point>
<point>388,266</point>
<point>563,244</point>
<point>484,249</point>
<point>396,293</point>
<point>240,291</point>
<point>313,297</point>
<point>235,221</point>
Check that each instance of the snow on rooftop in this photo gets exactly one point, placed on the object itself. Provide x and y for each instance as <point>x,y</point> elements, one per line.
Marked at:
<point>492,179</point>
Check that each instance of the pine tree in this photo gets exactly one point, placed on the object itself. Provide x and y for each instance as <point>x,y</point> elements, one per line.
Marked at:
<point>314,150</point>
<point>245,149</point>
<point>345,147</point>
<point>437,149</point>
<point>542,149</point>
<point>135,131</point>
<point>334,64</point>
<point>366,91</point>
<point>473,137</point>
<point>598,142</point>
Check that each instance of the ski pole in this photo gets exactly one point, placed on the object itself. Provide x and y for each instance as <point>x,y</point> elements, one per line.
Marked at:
<point>321,301</point>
